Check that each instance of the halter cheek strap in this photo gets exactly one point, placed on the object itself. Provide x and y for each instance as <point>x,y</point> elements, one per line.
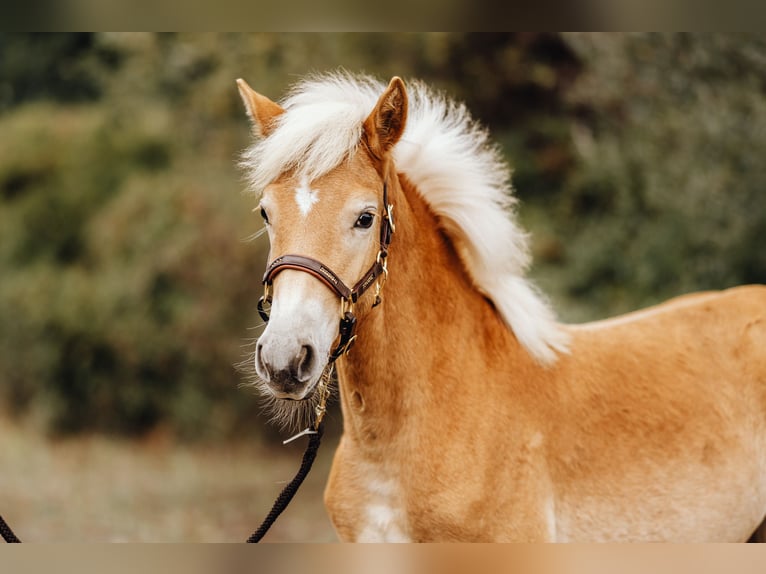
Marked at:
<point>375,275</point>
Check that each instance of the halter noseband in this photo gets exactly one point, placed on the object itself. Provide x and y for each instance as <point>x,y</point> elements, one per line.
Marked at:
<point>375,275</point>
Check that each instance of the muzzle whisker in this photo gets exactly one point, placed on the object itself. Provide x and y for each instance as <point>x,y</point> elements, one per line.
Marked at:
<point>252,237</point>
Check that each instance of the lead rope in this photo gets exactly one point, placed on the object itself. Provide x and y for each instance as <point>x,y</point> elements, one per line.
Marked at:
<point>289,491</point>
<point>7,533</point>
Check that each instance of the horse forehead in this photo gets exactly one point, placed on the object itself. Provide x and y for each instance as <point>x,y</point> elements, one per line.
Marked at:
<point>301,196</point>
<point>303,201</point>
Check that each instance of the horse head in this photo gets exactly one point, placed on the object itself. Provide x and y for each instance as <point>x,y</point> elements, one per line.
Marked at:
<point>327,220</point>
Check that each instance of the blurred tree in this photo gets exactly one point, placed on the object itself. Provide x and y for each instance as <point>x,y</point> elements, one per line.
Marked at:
<point>63,67</point>
<point>127,288</point>
<point>668,194</point>
<point>516,84</point>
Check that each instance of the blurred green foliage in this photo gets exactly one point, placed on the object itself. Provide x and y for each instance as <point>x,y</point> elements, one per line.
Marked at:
<point>127,285</point>
<point>669,192</point>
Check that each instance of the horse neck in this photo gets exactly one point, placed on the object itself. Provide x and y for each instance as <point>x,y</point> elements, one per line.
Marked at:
<point>414,352</point>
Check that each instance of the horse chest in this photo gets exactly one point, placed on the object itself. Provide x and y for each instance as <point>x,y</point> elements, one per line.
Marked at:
<point>365,502</point>
<point>382,517</point>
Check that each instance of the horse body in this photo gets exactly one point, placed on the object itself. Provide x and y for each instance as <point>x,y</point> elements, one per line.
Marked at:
<point>665,420</point>
<point>651,428</point>
<point>469,415</point>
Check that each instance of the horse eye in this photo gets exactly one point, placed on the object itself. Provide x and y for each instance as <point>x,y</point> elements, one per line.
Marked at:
<point>365,221</point>
<point>264,215</point>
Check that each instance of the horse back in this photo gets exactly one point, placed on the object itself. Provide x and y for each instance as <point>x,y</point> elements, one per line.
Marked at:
<point>702,344</point>
<point>732,321</point>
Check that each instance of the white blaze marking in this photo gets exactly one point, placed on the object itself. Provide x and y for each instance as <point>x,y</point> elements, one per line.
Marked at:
<point>305,197</point>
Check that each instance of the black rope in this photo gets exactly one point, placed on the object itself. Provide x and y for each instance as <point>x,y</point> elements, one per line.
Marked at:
<point>7,533</point>
<point>289,491</point>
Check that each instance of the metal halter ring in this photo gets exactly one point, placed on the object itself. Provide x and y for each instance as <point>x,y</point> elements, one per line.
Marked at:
<point>263,301</point>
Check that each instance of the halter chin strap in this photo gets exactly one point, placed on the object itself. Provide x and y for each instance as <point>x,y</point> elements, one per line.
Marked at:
<point>375,275</point>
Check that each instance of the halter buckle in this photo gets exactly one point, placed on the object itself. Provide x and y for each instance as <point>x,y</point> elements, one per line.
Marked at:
<point>346,306</point>
<point>263,301</point>
<point>381,280</point>
<point>346,332</point>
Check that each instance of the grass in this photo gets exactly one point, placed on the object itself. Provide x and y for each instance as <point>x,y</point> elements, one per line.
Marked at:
<point>99,489</point>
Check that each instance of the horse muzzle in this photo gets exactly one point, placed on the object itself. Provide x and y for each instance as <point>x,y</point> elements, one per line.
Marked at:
<point>290,371</point>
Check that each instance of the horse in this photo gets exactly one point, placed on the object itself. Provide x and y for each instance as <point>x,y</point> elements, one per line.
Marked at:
<point>470,413</point>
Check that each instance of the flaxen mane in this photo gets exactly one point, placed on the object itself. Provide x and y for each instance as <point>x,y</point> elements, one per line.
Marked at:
<point>454,166</point>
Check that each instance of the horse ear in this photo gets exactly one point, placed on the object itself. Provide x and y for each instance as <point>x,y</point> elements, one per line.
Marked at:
<point>385,125</point>
<point>262,110</point>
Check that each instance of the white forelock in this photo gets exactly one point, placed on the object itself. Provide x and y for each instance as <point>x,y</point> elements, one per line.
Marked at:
<point>453,165</point>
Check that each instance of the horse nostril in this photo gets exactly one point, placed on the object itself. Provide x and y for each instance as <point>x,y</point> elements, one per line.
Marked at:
<point>260,364</point>
<point>304,363</point>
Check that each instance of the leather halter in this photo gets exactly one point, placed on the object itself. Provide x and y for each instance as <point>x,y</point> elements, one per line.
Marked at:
<point>375,275</point>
